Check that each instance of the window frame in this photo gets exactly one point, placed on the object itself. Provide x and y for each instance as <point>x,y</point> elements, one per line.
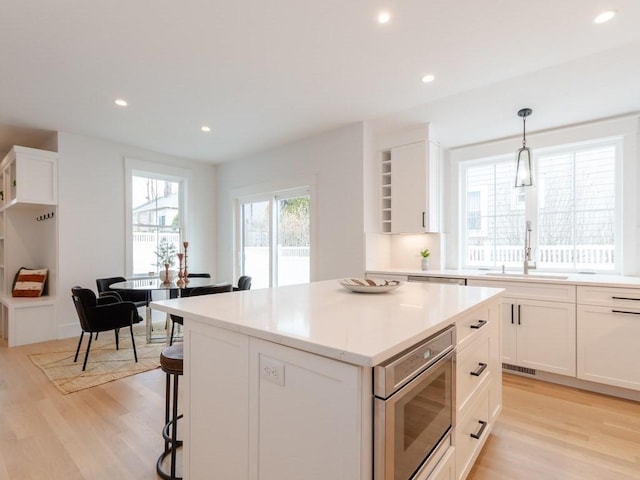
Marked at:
<point>141,168</point>
<point>268,192</point>
<point>627,248</point>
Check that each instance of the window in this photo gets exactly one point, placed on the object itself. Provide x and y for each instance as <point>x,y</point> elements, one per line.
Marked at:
<point>572,207</point>
<point>156,228</point>
<point>276,238</point>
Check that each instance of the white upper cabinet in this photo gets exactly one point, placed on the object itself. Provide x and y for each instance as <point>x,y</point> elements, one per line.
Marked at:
<point>29,176</point>
<point>410,181</point>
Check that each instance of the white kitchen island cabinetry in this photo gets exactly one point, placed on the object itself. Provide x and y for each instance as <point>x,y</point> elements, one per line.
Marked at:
<point>608,331</point>
<point>278,382</point>
<point>538,333</point>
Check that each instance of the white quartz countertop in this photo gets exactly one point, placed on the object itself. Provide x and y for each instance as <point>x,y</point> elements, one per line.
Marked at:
<point>326,319</point>
<point>590,279</point>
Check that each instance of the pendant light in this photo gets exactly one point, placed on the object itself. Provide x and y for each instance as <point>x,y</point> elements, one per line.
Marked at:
<point>524,174</point>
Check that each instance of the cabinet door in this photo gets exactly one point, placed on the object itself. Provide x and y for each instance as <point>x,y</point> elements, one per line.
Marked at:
<point>509,331</point>
<point>414,195</point>
<point>308,416</point>
<point>608,345</point>
<point>546,338</point>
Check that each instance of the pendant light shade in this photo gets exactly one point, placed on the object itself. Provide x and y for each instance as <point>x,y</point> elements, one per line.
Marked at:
<point>524,174</point>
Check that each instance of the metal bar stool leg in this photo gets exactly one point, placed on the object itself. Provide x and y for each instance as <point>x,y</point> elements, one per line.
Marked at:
<point>172,364</point>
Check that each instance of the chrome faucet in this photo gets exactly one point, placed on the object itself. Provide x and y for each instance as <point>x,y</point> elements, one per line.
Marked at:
<point>528,264</point>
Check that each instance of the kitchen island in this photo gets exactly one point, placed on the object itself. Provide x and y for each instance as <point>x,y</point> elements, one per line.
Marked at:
<point>278,382</point>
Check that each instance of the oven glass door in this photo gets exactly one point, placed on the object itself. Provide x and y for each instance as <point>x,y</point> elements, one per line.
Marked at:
<point>418,416</point>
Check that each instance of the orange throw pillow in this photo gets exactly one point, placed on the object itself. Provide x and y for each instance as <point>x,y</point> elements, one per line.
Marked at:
<point>30,283</point>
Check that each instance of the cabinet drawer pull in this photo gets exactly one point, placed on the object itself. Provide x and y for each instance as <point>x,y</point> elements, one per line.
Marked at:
<point>478,371</point>
<point>623,311</point>
<point>423,220</point>
<point>512,305</point>
<point>519,321</point>
<point>626,298</point>
<point>479,433</point>
<point>480,324</point>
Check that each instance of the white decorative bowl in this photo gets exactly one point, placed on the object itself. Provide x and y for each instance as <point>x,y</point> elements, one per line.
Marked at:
<point>369,285</point>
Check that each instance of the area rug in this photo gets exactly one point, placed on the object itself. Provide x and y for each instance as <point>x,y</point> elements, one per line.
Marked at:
<point>105,363</point>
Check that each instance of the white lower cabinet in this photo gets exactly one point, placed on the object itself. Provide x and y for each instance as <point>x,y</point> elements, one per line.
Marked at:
<point>297,396</point>
<point>472,431</point>
<point>537,333</point>
<point>478,384</point>
<point>608,333</point>
<point>250,402</point>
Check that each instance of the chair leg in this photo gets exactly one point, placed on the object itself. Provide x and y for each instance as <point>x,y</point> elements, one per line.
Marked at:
<point>86,355</point>
<point>173,326</point>
<point>133,342</point>
<point>117,333</point>
<point>97,335</point>
<point>75,359</point>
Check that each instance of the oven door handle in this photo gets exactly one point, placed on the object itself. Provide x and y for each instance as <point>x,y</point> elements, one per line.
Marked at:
<point>479,433</point>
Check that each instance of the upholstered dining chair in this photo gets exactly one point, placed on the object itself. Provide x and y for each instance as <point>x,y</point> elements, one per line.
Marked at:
<point>139,297</point>
<point>101,314</point>
<point>195,292</point>
<point>244,283</point>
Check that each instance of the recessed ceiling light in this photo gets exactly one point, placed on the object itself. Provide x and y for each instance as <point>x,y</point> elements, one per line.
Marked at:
<point>428,78</point>
<point>204,128</point>
<point>605,16</point>
<point>121,103</point>
<point>384,17</point>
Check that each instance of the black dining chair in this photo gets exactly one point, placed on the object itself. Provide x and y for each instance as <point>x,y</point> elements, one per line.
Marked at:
<point>139,297</point>
<point>101,314</point>
<point>195,292</point>
<point>244,283</point>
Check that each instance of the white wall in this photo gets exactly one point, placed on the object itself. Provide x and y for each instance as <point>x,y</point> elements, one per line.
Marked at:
<point>335,160</point>
<point>91,215</point>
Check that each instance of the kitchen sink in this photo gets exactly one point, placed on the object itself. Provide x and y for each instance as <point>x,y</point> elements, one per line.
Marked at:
<point>526,275</point>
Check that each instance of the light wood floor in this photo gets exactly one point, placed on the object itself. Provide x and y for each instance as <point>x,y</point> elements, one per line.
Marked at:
<point>545,432</point>
<point>550,432</point>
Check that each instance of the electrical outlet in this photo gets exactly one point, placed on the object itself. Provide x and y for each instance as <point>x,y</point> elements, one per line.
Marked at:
<point>272,370</point>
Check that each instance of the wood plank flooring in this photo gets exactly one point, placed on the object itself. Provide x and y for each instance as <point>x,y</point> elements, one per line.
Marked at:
<point>545,432</point>
<point>551,432</point>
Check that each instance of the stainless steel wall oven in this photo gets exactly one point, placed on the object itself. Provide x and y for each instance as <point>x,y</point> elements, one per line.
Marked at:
<point>414,408</point>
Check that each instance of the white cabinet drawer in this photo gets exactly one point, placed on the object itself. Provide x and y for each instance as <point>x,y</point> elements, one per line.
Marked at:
<point>470,325</point>
<point>553,292</point>
<point>472,368</point>
<point>472,431</point>
<point>609,296</point>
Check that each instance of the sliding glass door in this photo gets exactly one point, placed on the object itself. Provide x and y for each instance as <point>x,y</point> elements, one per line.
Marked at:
<point>276,239</point>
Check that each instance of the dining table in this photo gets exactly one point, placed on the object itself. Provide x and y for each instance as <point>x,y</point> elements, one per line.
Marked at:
<point>172,289</point>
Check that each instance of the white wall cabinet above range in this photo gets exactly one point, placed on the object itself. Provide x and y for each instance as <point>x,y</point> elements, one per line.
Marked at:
<point>29,239</point>
<point>411,188</point>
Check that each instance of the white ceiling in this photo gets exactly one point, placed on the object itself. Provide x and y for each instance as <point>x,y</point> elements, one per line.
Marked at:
<point>263,73</point>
